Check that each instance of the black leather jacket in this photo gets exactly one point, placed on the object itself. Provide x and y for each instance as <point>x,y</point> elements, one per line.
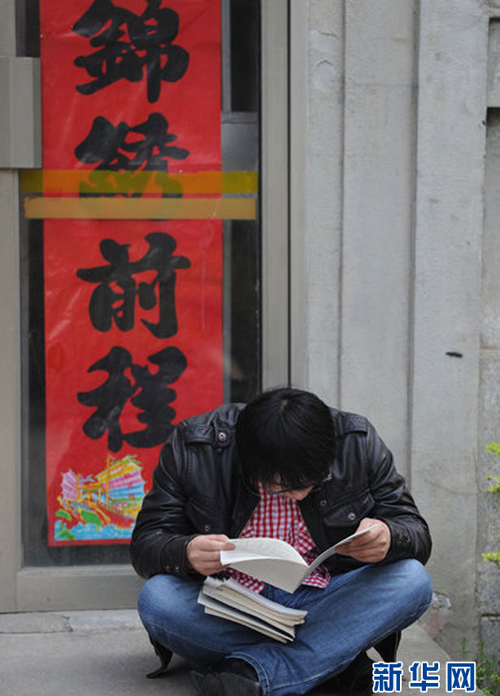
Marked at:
<point>198,488</point>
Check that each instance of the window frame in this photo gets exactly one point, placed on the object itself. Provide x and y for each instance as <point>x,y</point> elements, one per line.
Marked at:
<point>112,586</point>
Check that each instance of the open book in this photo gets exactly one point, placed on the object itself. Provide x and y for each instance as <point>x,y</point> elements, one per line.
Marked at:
<point>230,600</point>
<point>276,562</point>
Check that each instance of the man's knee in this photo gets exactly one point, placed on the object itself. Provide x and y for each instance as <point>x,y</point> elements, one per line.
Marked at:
<point>417,576</point>
<point>162,601</point>
<point>148,603</point>
<point>415,582</point>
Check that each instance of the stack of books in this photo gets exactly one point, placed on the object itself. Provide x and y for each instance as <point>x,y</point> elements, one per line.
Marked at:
<point>230,600</point>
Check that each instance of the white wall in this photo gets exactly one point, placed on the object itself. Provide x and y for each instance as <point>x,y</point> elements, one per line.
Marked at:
<point>389,141</point>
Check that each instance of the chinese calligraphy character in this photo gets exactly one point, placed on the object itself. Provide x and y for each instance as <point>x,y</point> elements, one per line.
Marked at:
<point>110,398</point>
<point>154,396</point>
<point>153,150</point>
<point>115,296</point>
<point>461,676</point>
<point>107,145</point>
<point>387,677</point>
<point>149,393</point>
<point>127,43</point>
<point>429,673</point>
<point>103,145</point>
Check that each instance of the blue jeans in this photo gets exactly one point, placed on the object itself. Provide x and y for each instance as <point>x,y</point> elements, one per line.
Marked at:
<point>357,610</point>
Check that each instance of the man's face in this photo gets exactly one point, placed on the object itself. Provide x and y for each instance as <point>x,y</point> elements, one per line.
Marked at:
<point>289,493</point>
<point>298,494</point>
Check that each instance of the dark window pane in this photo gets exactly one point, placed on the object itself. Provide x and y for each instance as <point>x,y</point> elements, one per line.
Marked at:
<point>245,311</point>
<point>245,55</point>
<point>242,269</point>
<point>28,28</point>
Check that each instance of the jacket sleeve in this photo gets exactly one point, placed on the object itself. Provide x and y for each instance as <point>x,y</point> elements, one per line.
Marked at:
<point>162,530</point>
<point>394,505</point>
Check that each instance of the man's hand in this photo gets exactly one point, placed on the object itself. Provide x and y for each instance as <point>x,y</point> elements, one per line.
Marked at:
<point>370,547</point>
<point>203,552</point>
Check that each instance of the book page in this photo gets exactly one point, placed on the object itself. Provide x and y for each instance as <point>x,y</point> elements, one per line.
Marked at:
<point>232,593</point>
<point>360,532</point>
<point>276,571</point>
<point>263,547</point>
<point>334,549</point>
<point>276,562</point>
<point>255,610</point>
<point>215,608</point>
<point>233,589</point>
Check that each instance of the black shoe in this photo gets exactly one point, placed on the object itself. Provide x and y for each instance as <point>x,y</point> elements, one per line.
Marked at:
<point>356,679</point>
<point>229,677</point>
<point>165,656</point>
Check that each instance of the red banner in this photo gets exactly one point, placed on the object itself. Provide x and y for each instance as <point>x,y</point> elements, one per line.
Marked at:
<point>133,308</point>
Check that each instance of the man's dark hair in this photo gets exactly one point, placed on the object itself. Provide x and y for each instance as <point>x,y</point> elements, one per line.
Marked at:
<point>286,434</point>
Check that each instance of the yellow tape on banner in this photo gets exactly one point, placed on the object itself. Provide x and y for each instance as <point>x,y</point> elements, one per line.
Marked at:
<point>140,208</point>
<point>66,182</point>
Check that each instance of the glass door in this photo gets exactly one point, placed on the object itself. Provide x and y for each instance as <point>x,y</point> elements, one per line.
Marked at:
<point>70,507</point>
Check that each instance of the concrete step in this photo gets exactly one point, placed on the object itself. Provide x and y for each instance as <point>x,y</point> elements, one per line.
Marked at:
<point>94,653</point>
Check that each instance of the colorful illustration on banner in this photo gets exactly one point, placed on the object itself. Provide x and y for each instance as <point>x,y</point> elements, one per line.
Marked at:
<point>103,506</point>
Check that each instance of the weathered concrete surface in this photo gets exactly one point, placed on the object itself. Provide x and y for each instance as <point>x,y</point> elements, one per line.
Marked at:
<point>107,653</point>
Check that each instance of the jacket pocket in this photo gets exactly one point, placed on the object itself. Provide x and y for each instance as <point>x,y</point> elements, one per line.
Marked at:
<point>205,515</point>
<point>348,513</point>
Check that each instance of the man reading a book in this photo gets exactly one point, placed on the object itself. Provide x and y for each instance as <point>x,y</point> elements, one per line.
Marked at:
<point>287,467</point>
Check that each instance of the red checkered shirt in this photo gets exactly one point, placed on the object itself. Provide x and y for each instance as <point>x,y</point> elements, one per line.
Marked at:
<point>278,517</point>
